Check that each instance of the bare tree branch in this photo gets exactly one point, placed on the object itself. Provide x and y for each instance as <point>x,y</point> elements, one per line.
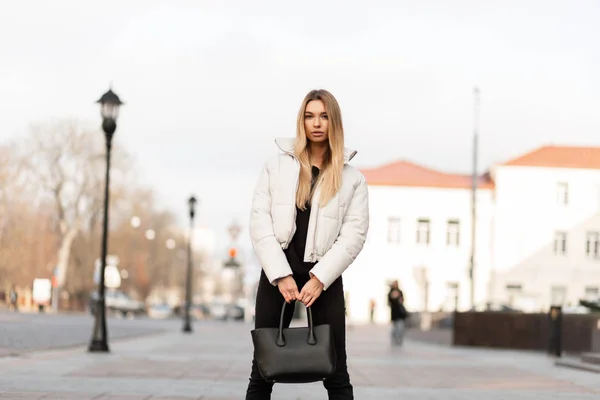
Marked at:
<point>66,163</point>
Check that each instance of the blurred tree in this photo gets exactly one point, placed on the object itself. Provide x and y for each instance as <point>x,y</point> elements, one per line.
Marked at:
<point>51,197</point>
<point>24,233</point>
<point>64,164</point>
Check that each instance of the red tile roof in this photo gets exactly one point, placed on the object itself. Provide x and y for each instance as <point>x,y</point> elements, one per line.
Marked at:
<point>404,173</point>
<point>560,157</point>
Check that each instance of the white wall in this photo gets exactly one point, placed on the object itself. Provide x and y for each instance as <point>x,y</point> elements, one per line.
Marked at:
<point>381,261</point>
<point>527,216</point>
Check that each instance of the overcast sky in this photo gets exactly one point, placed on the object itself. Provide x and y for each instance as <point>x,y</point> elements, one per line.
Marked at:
<point>209,84</point>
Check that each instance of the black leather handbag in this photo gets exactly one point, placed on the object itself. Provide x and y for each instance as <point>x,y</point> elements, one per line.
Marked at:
<point>294,355</point>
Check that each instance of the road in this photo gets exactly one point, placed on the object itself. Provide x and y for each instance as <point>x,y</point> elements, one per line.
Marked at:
<point>213,363</point>
<point>25,332</point>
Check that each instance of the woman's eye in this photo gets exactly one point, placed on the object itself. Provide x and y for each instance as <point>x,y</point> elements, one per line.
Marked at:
<point>307,116</point>
<point>325,117</point>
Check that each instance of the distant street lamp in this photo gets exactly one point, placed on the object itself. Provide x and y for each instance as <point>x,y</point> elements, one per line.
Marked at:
<point>187,326</point>
<point>135,221</point>
<point>109,109</point>
<point>150,234</point>
<point>170,243</point>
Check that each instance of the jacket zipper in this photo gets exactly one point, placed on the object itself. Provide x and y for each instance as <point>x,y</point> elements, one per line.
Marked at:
<point>314,249</point>
<point>294,213</point>
<point>315,209</point>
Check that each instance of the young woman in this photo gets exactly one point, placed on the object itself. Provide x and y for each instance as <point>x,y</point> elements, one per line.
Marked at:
<point>309,221</point>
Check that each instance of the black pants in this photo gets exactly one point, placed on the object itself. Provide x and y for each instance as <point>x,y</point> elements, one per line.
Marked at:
<point>329,308</point>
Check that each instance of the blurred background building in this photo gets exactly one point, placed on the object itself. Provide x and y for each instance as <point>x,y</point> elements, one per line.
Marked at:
<point>537,244</point>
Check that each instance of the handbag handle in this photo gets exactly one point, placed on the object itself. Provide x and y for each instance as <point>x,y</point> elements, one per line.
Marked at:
<point>311,339</point>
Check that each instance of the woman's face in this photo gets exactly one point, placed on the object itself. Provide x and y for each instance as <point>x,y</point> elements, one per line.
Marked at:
<point>316,122</point>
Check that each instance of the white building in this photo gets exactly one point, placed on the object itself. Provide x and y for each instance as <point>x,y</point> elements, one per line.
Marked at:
<point>547,228</point>
<point>420,234</point>
<point>537,241</point>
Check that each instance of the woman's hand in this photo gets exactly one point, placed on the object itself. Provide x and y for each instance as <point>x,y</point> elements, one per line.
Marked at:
<point>288,288</point>
<point>311,291</point>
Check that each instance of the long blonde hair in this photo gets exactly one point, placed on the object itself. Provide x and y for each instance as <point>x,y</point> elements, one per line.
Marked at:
<point>330,178</point>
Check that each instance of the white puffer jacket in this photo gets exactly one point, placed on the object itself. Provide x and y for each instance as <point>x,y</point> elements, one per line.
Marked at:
<point>336,232</point>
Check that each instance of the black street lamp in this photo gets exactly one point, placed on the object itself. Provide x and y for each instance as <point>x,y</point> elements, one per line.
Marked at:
<point>109,108</point>
<point>187,326</point>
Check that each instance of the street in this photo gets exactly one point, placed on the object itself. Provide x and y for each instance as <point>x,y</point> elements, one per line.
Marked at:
<point>21,332</point>
<point>213,364</point>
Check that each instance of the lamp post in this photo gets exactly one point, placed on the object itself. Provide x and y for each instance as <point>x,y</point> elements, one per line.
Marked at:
<point>187,326</point>
<point>109,108</point>
<point>474,178</point>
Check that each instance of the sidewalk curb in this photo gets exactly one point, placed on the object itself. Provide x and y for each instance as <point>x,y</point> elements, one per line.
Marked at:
<point>578,365</point>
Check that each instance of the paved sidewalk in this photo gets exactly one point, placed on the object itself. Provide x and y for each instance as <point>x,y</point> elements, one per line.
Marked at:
<point>26,332</point>
<point>213,364</point>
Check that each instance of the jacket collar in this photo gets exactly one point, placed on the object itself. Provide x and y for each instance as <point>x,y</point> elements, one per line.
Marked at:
<point>287,146</point>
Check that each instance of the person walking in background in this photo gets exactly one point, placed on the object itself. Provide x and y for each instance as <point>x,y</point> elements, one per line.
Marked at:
<point>397,312</point>
<point>308,223</point>
<point>372,310</point>
<point>14,298</point>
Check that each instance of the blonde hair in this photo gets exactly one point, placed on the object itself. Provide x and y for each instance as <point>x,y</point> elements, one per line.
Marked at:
<point>330,176</point>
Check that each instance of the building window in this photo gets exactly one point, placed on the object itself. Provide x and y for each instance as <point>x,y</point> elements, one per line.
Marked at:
<point>592,245</point>
<point>514,287</point>
<point>558,295</point>
<point>453,233</point>
<point>513,291</point>
<point>423,231</point>
<point>393,235</point>
<point>560,243</point>
<point>562,193</point>
<point>592,293</point>
<point>452,296</point>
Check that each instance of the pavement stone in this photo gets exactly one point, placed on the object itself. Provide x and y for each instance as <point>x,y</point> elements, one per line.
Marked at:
<point>25,332</point>
<point>213,363</point>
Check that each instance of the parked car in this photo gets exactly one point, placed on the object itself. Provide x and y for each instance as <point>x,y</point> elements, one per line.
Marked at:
<point>160,311</point>
<point>236,313</point>
<point>218,310</point>
<point>197,311</point>
<point>118,303</point>
<point>224,311</point>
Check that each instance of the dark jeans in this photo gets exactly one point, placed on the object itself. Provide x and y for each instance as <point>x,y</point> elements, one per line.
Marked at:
<point>329,308</point>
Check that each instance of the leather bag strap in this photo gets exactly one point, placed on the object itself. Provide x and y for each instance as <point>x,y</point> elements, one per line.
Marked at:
<point>311,338</point>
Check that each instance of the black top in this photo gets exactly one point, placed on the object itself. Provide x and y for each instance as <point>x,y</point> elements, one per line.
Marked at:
<point>396,303</point>
<point>295,251</point>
